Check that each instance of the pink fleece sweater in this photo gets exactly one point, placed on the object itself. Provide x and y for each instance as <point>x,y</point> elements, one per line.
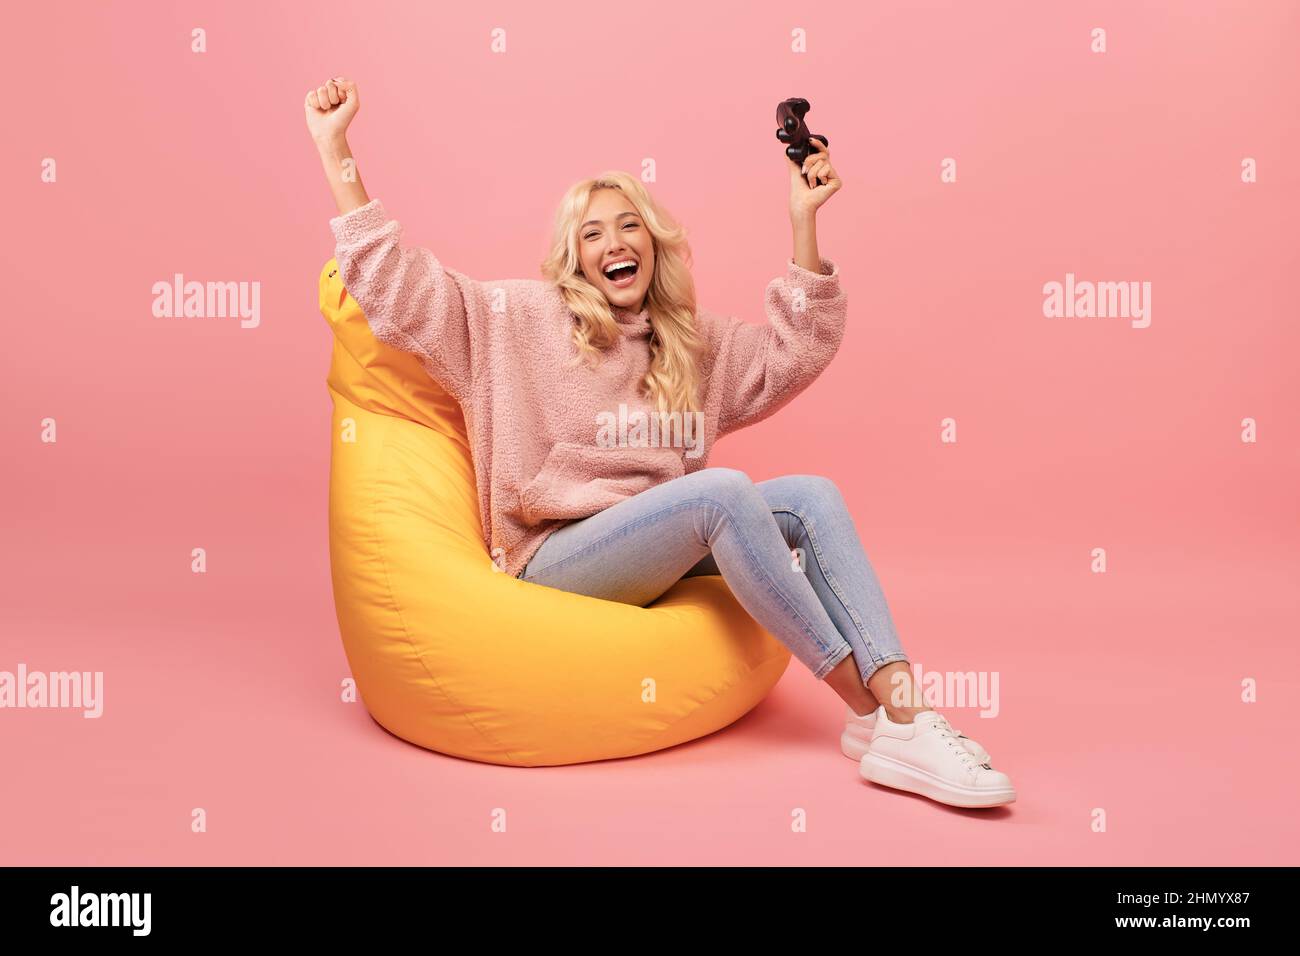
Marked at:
<point>553,442</point>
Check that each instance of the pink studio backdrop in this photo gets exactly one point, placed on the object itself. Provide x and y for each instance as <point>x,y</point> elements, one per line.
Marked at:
<point>1119,691</point>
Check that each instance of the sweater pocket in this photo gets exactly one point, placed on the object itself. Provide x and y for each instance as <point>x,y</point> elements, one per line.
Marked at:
<point>577,480</point>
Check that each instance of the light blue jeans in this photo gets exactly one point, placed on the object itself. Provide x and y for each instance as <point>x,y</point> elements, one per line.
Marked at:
<point>787,549</point>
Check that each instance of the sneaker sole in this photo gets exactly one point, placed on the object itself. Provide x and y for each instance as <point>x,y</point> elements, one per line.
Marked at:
<point>900,776</point>
<point>852,747</point>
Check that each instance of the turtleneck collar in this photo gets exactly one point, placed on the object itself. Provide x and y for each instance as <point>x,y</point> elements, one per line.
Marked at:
<point>631,321</point>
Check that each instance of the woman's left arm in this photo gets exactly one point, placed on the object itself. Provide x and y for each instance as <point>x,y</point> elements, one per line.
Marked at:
<point>758,369</point>
<point>810,187</point>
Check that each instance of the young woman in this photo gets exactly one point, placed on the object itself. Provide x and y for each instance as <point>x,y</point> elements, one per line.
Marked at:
<point>592,397</point>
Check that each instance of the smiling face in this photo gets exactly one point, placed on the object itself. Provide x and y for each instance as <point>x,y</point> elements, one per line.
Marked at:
<point>612,233</point>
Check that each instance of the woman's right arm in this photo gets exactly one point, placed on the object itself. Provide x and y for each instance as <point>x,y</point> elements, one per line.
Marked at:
<point>330,110</point>
<point>409,299</point>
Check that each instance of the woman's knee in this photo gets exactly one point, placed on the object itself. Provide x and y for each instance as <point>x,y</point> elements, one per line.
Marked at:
<point>720,483</point>
<point>802,492</point>
<point>727,490</point>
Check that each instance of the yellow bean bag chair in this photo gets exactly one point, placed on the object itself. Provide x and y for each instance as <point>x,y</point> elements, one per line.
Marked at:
<point>456,656</point>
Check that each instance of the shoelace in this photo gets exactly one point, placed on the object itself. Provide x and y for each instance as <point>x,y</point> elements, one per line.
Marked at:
<point>952,741</point>
<point>965,746</point>
<point>968,740</point>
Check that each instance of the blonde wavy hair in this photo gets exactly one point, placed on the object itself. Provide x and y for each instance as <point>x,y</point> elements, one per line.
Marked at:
<point>675,341</point>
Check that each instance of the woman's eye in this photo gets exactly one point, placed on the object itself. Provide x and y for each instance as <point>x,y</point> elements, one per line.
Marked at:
<point>626,225</point>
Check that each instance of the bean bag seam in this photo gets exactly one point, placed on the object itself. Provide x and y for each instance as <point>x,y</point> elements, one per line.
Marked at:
<point>383,559</point>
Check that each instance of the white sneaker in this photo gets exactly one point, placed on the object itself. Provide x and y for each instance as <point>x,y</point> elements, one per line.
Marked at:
<point>856,739</point>
<point>927,757</point>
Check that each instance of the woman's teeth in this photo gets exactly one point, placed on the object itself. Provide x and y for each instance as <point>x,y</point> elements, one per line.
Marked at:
<point>623,276</point>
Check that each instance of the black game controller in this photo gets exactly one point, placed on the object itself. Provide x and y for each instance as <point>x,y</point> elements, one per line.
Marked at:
<point>793,132</point>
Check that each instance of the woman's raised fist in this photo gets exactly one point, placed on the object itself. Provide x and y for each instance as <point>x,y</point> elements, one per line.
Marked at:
<point>330,108</point>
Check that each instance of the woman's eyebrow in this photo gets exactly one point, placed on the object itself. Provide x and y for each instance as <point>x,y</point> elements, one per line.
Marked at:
<point>596,222</point>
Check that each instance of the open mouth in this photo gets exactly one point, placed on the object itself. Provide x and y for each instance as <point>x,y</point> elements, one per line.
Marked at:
<point>622,274</point>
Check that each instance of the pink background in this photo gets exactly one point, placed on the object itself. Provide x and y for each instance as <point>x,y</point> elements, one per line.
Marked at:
<point>1119,691</point>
